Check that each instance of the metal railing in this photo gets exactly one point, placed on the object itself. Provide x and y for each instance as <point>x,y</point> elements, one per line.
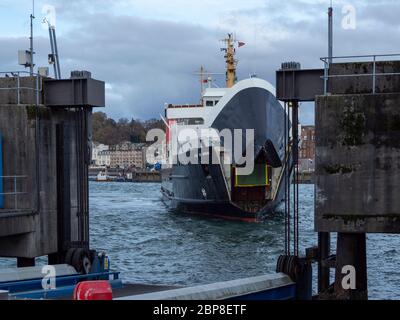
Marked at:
<point>15,191</point>
<point>23,74</point>
<point>373,58</point>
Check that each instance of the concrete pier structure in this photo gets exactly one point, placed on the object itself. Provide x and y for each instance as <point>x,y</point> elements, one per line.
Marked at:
<point>45,158</point>
<point>357,163</point>
<point>358,152</point>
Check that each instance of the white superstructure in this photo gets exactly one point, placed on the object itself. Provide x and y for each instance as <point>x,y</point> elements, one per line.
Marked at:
<point>213,101</point>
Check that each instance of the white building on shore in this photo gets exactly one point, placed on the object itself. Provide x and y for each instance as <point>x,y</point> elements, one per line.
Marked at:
<point>100,156</point>
<point>104,158</point>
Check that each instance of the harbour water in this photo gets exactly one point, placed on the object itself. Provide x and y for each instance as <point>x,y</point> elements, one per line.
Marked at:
<point>150,244</point>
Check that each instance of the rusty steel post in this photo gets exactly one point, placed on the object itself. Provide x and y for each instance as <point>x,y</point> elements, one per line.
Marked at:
<point>324,248</point>
<point>351,251</point>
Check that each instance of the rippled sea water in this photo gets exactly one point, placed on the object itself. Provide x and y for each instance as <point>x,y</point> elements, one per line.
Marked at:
<point>150,244</point>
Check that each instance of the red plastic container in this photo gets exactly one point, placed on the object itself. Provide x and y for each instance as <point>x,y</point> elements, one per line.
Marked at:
<point>93,290</point>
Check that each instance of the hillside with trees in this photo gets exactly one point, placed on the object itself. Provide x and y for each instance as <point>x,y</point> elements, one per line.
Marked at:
<point>110,132</point>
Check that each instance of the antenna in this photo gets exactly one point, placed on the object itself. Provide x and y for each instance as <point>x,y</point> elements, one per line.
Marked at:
<point>31,65</point>
<point>202,73</point>
<point>203,77</point>
<point>330,33</point>
<point>25,57</point>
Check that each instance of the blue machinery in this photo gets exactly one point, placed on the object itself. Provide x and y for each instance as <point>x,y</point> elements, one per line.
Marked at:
<point>32,288</point>
<point>269,287</point>
<point>277,286</point>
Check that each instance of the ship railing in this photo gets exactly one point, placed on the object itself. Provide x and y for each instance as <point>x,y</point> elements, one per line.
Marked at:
<point>173,106</point>
<point>370,58</point>
<point>14,193</point>
<point>38,87</point>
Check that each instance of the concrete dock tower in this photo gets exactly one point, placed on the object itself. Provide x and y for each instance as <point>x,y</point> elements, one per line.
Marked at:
<point>357,175</point>
<point>45,137</point>
<point>358,162</point>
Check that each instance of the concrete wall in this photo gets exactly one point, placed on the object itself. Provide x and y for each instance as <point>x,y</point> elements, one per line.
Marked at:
<point>358,150</point>
<point>362,82</point>
<point>31,230</point>
<point>27,93</point>
<point>358,162</point>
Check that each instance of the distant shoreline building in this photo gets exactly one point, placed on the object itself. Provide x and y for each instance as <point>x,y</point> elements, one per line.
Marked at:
<point>98,154</point>
<point>104,158</point>
<point>307,149</point>
<point>126,155</point>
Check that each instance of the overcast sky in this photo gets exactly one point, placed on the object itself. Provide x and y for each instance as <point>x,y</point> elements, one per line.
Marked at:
<point>148,50</point>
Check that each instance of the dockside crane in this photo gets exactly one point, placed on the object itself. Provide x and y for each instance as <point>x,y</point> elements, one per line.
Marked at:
<point>53,57</point>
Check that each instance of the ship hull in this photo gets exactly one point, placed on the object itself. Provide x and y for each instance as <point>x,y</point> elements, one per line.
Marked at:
<point>182,191</point>
<point>211,209</point>
<point>219,210</point>
<point>188,189</point>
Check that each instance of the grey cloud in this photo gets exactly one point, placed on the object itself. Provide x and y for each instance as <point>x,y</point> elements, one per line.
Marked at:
<point>149,62</point>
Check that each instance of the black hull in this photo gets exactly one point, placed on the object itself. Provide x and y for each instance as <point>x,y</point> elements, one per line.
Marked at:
<point>218,207</point>
<point>188,189</point>
<point>219,210</point>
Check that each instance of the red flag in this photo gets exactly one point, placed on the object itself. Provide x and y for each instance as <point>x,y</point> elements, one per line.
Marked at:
<point>241,44</point>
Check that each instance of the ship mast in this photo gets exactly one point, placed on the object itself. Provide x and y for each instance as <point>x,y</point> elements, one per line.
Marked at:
<point>205,78</point>
<point>202,73</point>
<point>230,60</point>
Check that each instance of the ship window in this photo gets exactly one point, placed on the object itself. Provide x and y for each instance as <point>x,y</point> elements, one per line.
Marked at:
<point>191,121</point>
<point>196,121</point>
<point>209,103</point>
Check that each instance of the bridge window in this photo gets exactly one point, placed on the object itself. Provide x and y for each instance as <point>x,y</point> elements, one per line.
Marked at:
<point>190,121</point>
<point>209,103</point>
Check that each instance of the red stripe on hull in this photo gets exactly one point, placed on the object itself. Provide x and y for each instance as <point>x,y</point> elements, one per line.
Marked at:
<point>225,217</point>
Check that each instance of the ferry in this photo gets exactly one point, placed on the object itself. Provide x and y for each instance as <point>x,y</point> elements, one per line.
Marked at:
<point>219,189</point>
